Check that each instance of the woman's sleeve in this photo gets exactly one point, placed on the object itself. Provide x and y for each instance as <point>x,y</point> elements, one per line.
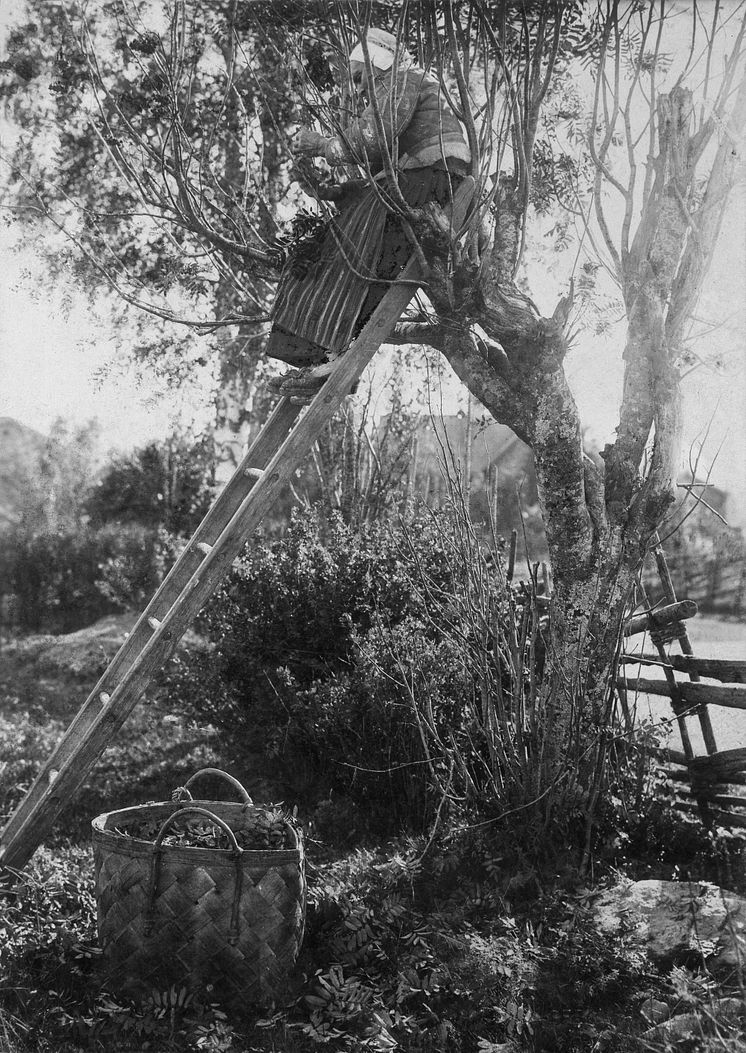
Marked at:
<point>362,141</point>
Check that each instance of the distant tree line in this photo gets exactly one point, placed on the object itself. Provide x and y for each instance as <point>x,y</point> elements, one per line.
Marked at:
<point>87,542</point>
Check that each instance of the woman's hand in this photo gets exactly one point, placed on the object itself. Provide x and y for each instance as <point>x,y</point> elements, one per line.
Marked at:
<point>309,143</point>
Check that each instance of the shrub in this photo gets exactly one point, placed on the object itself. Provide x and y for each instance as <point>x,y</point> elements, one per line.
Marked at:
<point>163,484</point>
<point>393,669</point>
<point>60,582</point>
<point>286,674</point>
<point>368,664</point>
<point>51,580</point>
<point>139,560</point>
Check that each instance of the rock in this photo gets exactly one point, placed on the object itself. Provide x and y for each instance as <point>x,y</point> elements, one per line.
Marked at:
<point>676,921</point>
<point>683,1026</point>
<point>729,1009</point>
<point>688,1025</point>
<point>655,1011</point>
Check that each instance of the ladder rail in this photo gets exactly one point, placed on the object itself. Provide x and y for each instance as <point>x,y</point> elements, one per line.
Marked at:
<point>158,631</point>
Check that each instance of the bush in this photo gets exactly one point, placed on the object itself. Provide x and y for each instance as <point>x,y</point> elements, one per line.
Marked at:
<point>50,580</point>
<point>164,484</point>
<point>300,658</point>
<point>393,674</point>
<point>139,561</point>
<point>60,582</point>
<point>367,665</point>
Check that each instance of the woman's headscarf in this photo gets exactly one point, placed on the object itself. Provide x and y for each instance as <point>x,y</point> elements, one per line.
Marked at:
<point>383,49</point>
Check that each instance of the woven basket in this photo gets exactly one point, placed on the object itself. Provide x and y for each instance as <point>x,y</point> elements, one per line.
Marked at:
<point>225,922</point>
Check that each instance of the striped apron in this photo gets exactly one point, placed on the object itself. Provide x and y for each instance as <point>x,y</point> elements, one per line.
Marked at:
<point>322,312</point>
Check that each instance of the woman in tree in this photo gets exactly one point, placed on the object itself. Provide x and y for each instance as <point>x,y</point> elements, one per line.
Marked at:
<point>407,126</point>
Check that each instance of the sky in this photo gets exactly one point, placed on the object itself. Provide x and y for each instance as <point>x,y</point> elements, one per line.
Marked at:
<point>53,349</point>
<point>59,358</point>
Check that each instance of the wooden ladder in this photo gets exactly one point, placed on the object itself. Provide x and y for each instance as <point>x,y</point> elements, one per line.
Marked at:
<point>277,452</point>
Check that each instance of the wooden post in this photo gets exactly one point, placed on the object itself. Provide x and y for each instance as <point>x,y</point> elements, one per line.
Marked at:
<point>511,555</point>
<point>468,452</point>
<point>494,472</point>
<point>703,714</point>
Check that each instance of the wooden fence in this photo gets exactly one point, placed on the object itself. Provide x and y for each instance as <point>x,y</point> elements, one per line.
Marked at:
<point>717,584</point>
<point>712,784</point>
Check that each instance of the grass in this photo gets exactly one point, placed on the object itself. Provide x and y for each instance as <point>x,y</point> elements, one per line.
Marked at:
<point>43,683</point>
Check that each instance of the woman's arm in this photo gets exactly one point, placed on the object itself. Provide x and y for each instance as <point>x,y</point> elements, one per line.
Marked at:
<point>361,140</point>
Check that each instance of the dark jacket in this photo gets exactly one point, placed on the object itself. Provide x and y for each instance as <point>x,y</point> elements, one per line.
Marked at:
<point>415,112</point>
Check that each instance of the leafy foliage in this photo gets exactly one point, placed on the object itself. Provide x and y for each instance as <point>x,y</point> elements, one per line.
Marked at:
<point>163,484</point>
<point>258,828</point>
<point>25,743</point>
<point>59,582</point>
<point>286,675</point>
<point>402,952</point>
<point>89,543</point>
<point>392,679</point>
<point>453,943</point>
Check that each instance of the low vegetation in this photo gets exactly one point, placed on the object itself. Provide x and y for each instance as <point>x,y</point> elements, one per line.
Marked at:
<point>340,672</point>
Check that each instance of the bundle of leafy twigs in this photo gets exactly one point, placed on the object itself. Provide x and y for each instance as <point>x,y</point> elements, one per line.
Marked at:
<point>299,248</point>
<point>259,829</point>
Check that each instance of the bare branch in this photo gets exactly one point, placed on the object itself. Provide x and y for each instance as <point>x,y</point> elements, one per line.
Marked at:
<point>463,90</point>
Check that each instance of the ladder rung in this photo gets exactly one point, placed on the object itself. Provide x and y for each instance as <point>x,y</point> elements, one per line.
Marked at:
<point>154,623</point>
<point>204,547</point>
<point>254,473</point>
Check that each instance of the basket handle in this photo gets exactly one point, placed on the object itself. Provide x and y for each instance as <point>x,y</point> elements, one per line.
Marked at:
<point>212,771</point>
<point>155,865</point>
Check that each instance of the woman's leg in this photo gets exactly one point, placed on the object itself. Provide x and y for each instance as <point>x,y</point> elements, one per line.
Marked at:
<point>418,186</point>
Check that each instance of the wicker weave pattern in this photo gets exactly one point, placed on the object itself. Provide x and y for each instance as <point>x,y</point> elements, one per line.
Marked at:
<point>189,942</point>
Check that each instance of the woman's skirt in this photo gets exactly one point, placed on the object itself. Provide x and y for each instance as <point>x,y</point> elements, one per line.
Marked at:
<point>322,305</point>
<point>316,312</point>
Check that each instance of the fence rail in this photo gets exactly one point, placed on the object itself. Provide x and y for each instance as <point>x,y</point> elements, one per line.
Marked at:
<point>690,694</point>
<point>710,784</point>
<point>726,670</point>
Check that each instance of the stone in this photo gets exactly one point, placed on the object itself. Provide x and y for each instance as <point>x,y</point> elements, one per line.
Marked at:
<point>677,921</point>
<point>686,1025</point>
<point>655,1011</point>
<point>729,1009</point>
